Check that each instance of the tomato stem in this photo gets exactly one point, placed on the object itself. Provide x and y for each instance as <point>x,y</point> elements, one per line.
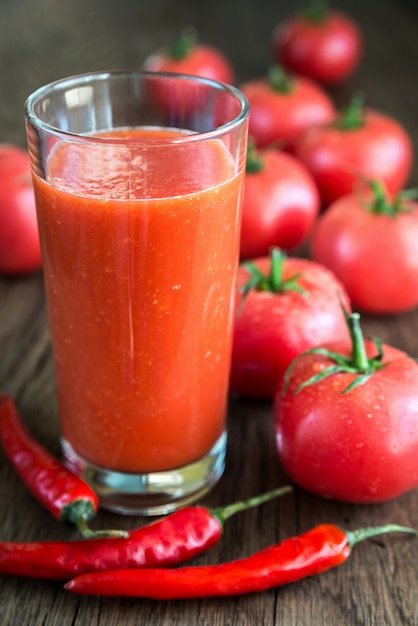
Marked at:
<point>352,116</point>
<point>316,11</point>
<point>276,269</point>
<point>380,204</point>
<point>357,363</point>
<point>184,45</point>
<point>279,79</point>
<point>255,163</point>
<point>273,281</point>
<point>359,358</point>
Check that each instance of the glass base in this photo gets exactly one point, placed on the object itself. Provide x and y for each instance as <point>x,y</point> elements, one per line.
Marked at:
<point>156,493</point>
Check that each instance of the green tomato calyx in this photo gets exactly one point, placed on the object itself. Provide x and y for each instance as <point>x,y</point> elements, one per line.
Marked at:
<point>352,117</point>
<point>185,44</point>
<point>255,162</point>
<point>274,281</point>
<point>279,80</point>
<point>380,204</point>
<point>357,363</point>
<point>315,12</point>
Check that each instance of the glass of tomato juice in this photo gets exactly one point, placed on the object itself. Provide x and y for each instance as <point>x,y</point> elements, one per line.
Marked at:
<point>138,179</point>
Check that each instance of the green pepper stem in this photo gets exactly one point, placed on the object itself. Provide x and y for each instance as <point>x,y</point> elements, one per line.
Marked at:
<point>223,513</point>
<point>355,536</point>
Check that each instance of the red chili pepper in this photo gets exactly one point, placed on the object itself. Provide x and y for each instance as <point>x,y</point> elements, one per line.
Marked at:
<point>313,552</point>
<point>168,541</point>
<point>65,495</point>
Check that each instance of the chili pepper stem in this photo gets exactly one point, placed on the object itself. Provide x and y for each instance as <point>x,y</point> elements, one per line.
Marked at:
<point>223,513</point>
<point>88,533</point>
<point>355,536</point>
<point>220,513</point>
<point>79,513</point>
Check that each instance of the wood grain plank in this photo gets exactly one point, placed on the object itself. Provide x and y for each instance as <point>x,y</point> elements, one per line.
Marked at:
<point>378,586</point>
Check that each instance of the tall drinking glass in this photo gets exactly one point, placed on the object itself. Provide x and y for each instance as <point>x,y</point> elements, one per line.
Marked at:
<point>138,180</point>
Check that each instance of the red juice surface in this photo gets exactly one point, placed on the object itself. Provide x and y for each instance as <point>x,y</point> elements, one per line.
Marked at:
<point>139,278</point>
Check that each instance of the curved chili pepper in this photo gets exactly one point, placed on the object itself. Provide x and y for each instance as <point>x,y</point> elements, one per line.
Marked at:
<point>169,541</point>
<point>65,495</point>
<point>313,552</point>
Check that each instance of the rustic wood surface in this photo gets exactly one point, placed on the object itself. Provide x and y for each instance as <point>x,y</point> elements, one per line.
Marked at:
<point>44,40</point>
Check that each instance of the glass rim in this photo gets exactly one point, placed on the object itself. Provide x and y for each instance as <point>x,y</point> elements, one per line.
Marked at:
<point>101,76</point>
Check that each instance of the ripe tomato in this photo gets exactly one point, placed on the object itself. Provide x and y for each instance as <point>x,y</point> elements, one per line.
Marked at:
<point>280,205</point>
<point>358,444</point>
<point>324,45</point>
<point>187,56</point>
<point>370,244</point>
<point>19,238</point>
<point>281,107</point>
<point>293,304</point>
<point>361,143</point>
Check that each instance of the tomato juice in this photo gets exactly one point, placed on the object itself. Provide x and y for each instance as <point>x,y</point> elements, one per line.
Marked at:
<point>140,247</point>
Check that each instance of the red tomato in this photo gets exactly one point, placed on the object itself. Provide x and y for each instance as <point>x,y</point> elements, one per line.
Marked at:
<point>281,107</point>
<point>358,445</point>
<point>188,56</point>
<point>282,317</point>
<point>326,47</point>
<point>361,143</point>
<point>19,239</point>
<point>371,246</point>
<point>281,203</point>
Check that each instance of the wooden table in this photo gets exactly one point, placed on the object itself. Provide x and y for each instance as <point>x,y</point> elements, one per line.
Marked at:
<point>45,40</point>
